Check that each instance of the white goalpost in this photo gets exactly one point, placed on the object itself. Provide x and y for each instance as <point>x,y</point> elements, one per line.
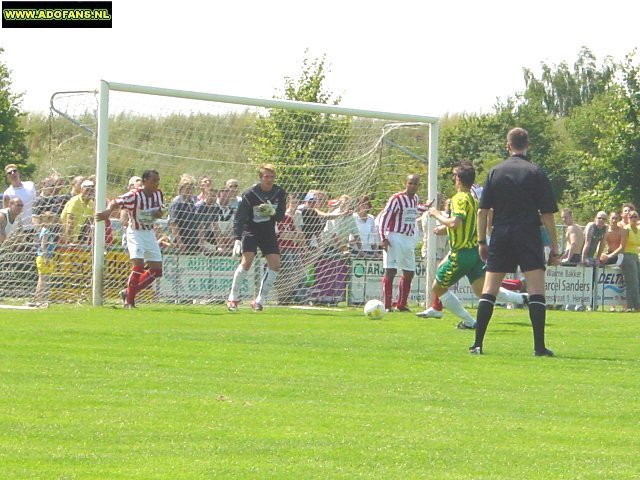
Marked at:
<point>339,166</point>
<point>361,157</point>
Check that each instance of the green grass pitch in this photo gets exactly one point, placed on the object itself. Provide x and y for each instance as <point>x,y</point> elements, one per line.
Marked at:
<point>197,392</point>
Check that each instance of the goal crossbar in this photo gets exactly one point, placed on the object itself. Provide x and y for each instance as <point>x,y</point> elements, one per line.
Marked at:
<point>102,152</point>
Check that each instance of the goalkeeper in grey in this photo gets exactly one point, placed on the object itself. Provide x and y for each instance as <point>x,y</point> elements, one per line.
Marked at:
<point>260,207</point>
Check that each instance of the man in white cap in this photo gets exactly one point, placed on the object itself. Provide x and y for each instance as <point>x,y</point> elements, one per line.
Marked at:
<point>77,213</point>
<point>134,183</point>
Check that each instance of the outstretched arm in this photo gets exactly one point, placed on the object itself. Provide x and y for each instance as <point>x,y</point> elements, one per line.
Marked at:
<point>105,214</point>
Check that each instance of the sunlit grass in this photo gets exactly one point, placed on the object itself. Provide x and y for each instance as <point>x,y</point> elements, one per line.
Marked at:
<point>197,392</point>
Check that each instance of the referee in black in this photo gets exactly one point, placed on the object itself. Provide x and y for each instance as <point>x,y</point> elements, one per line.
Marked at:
<point>520,195</point>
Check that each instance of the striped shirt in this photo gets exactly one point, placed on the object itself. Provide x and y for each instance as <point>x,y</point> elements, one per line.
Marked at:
<point>141,207</point>
<point>400,215</point>
<point>465,206</point>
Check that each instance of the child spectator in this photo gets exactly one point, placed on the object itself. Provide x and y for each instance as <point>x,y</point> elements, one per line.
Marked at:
<point>44,259</point>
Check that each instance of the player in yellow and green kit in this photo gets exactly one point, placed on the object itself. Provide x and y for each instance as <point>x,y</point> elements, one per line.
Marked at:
<point>463,259</point>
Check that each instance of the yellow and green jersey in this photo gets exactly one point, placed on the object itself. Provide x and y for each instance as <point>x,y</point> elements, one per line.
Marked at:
<point>465,206</point>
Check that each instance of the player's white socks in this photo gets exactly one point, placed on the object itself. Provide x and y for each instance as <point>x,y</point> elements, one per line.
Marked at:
<point>268,279</point>
<point>238,277</point>
<point>509,296</point>
<point>452,303</point>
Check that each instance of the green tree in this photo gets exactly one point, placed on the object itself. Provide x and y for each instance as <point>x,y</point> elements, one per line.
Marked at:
<point>603,148</point>
<point>482,139</point>
<point>13,148</point>
<point>305,146</point>
<point>561,88</point>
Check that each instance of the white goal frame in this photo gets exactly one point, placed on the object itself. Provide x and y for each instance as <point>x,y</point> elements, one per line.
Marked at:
<point>103,152</point>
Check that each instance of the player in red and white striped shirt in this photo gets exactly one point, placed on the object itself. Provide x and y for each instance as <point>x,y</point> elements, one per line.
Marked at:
<point>397,226</point>
<point>144,205</point>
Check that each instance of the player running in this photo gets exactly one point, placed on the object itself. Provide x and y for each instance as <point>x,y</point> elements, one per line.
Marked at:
<point>463,259</point>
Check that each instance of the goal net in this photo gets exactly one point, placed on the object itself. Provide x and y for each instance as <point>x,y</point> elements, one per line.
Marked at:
<point>341,163</point>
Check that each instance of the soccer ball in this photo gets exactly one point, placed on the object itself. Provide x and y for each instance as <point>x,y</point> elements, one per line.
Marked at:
<point>374,309</point>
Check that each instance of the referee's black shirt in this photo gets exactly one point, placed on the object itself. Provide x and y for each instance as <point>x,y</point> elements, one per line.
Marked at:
<point>518,191</point>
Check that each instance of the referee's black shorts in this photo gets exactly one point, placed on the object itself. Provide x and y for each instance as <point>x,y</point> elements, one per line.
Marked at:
<point>515,245</point>
<point>268,243</point>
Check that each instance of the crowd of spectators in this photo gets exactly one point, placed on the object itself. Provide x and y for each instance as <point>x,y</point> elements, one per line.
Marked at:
<point>317,236</point>
<point>607,240</point>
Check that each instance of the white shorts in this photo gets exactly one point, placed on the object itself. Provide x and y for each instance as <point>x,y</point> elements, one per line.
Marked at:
<point>401,252</point>
<point>143,244</point>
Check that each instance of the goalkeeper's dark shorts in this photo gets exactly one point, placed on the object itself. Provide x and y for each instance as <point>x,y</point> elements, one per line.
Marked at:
<point>268,243</point>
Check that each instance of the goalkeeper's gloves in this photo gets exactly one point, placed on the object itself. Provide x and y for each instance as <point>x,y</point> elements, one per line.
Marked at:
<point>237,248</point>
<point>267,209</point>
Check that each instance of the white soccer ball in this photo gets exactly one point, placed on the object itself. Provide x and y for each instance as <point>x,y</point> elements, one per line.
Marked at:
<point>374,309</point>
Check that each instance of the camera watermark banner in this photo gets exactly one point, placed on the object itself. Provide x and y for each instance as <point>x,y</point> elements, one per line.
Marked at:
<point>22,14</point>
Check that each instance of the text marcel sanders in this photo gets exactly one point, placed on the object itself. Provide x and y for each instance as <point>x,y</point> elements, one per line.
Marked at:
<point>564,280</point>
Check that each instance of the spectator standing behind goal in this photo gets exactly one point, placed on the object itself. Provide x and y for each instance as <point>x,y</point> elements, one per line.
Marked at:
<point>25,191</point>
<point>145,206</point>
<point>205,186</point>
<point>10,219</point>
<point>574,237</point>
<point>207,215</point>
<point>254,227</point>
<point>77,213</point>
<point>291,243</point>
<point>613,237</point>
<point>332,267</point>
<point>519,193</point>
<point>594,243</point>
<point>182,217</point>
<point>367,232</point>
<point>630,265</point>
<point>224,229</point>
<point>45,256</point>
<point>399,236</point>
<point>76,182</point>
<point>232,184</point>
<point>50,200</point>
<point>627,208</point>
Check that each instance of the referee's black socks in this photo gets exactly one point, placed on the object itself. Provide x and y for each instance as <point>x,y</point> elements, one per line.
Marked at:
<point>538,315</point>
<point>485,311</point>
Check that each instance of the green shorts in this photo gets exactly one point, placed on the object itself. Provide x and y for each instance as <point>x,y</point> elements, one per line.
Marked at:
<point>464,262</point>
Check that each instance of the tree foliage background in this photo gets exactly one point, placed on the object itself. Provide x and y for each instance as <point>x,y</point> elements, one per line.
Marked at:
<point>583,122</point>
<point>304,146</point>
<point>583,119</point>
<point>13,148</point>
